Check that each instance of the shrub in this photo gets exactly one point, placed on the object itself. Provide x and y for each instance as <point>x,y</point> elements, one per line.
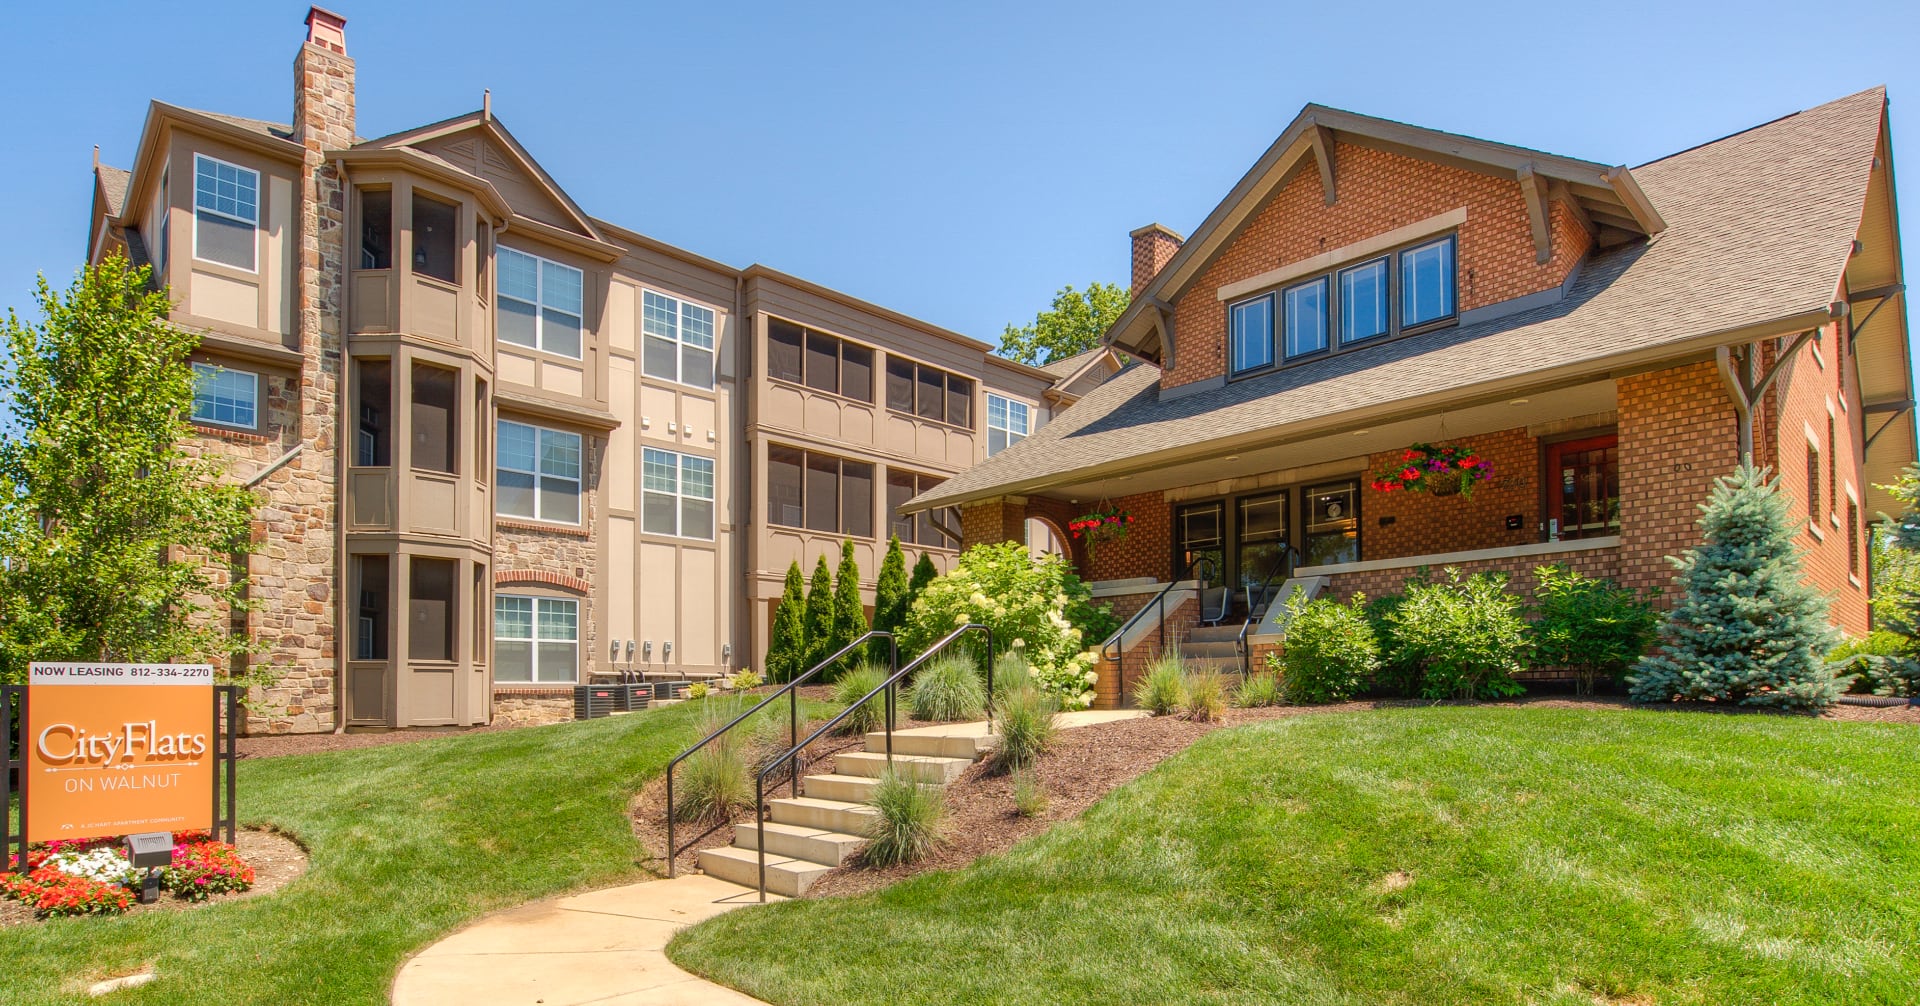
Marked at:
<point>1261,688</point>
<point>1464,633</point>
<point>1026,721</point>
<point>698,690</point>
<point>1011,671</point>
<point>203,869</point>
<point>907,827</point>
<point>1591,626</point>
<point>746,678</point>
<point>1397,674</point>
<point>855,683</point>
<point>1034,605</point>
<point>786,642</point>
<point>1331,652</point>
<point>947,688</point>
<point>890,597</point>
<point>1879,663</point>
<point>1163,689</point>
<point>1747,628</point>
<point>818,634</point>
<point>715,783</point>
<point>849,615</point>
<point>1206,697</point>
<point>1029,797</point>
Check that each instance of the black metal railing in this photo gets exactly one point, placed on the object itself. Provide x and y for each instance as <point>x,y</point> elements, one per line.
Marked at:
<point>1200,570</point>
<point>791,690</point>
<point>1258,603</point>
<point>795,758</point>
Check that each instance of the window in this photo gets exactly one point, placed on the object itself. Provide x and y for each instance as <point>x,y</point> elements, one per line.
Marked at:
<point>676,494</point>
<point>541,303</point>
<point>819,492</point>
<point>820,361</point>
<point>436,239</point>
<point>1363,301</point>
<point>535,639</point>
<point>923,528</point>
<point>372,446</point>
<point>226,397</point>
<point>1306,321</point>
<point>1813,480</point>
<point>678,339</point>
<point>226,212</point>
<point>430,608</point>
<point>1252,325</point>
<point>1833,466</point>
<point>370,579</point>
<point>538,473</point>
<point>376,228</point>
<point>916,389</point>
<point>435,424</point>
<point>1853,539</point>
<point>1583,488</point>
<point>1006,423</point>
<point>1426,283</point>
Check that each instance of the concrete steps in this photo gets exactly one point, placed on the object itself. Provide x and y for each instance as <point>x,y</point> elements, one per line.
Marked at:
<point>808,836</point>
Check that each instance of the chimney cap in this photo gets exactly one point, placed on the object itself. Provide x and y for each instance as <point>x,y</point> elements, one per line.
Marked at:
<point>1177,237</point>
<point>327,29</point>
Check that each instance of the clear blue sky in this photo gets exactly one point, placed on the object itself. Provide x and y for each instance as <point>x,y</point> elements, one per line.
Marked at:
<point>958,162</point>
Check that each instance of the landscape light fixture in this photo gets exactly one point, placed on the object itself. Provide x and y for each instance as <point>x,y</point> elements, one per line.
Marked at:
<point>151,851</point>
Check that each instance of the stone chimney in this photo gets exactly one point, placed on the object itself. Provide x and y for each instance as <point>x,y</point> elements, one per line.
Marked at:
<point>1153,245</point>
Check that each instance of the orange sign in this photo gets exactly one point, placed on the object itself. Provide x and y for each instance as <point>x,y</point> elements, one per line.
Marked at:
<point>117,749</point>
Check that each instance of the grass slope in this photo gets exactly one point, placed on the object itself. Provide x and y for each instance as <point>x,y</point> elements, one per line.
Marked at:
<point>1555,857</point>
<point>408,842</point>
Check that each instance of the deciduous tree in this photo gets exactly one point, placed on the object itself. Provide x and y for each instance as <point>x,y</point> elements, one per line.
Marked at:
<point>1074,324</point>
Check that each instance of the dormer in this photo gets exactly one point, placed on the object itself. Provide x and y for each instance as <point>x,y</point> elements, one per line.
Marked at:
<point>1352,231</point>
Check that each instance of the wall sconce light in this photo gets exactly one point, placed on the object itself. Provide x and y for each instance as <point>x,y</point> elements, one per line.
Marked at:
<point>666,651</point>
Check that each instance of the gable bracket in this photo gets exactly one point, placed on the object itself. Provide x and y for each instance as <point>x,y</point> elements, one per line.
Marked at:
<point>1320,139</point>
<point>1535,192</point>
<point>1736,373</point>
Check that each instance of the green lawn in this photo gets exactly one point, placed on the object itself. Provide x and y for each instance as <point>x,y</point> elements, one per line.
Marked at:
<point>408,841</point>
<point>1556,857</point>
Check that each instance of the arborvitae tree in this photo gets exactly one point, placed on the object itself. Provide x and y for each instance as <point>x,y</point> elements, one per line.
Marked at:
<point>1747,629</point>
<point>849,615</point>
<point>923,574</point>
<point>786,641</point>
<point>890,597</point>
<point>819,631</point>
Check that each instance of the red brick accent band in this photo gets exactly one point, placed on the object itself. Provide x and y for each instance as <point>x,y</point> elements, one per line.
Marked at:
<point>561,580</point>
<point>534,525</point>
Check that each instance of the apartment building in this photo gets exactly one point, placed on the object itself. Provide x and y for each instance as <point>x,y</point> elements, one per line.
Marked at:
<point>502,445</point>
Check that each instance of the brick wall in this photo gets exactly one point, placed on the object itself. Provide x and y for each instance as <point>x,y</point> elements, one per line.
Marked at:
<point>1677,434</point>
<point>1519,569</point>
<point>1422,523</point>
<point>1153,245</point>
<point>1115,686</point>
<point>1378,192</point>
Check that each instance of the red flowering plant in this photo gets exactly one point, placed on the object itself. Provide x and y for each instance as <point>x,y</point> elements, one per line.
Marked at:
<point>1442,470</point>
<point>54,894</point>
<point>90,876</point>
<point>202,868</point>
<point>1109,524</point>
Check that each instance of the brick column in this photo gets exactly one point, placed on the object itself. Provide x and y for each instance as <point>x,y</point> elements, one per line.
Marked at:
<point>1677,434</point>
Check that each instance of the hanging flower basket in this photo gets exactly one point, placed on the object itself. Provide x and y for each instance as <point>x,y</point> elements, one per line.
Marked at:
<point>1109,524</point>
<point>1442,471</point>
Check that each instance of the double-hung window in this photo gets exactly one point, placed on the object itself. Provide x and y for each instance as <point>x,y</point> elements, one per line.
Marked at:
<point>537,473</point>
<point>1007,423</point>
<point>541,303</point>
<point>1252,331</point>
<point>535,639</point>
<point>225,397</point>
<point>226,212</point>
<point>676,494</point>
<point>678,339</point>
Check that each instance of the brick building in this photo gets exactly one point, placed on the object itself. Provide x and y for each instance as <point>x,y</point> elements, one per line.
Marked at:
<point>502,445</point>
<point>1608,339</point>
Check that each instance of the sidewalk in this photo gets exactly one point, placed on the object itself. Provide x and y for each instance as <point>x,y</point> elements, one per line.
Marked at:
<point>602,947</point>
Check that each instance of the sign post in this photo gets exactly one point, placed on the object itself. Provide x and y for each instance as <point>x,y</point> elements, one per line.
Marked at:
<point>112,749</point>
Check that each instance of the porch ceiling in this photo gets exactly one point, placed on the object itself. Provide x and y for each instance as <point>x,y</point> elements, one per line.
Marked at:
<point>1344,452</point>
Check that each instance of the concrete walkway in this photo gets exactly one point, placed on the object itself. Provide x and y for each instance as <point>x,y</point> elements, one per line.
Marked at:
<point>607,948</point>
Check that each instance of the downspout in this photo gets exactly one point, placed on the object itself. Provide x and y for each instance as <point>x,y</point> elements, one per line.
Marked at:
<point>742,601</point>
<point>341,444</point>
<point>1736,390</point>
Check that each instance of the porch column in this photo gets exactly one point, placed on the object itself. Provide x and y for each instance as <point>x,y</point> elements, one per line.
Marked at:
<point>994,521</point>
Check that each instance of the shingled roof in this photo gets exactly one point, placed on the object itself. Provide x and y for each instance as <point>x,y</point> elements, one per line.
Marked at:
<point>1759,229</point>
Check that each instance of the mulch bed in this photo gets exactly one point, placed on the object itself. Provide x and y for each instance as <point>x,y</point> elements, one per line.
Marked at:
<point>276,860</point>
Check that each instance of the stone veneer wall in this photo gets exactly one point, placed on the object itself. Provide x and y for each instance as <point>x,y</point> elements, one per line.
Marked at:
<point>532,707</point>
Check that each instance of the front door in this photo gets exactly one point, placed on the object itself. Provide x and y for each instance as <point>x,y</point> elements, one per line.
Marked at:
<point>1583,488</point>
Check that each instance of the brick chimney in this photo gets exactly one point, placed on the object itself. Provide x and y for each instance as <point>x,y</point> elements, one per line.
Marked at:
<point>323,84</point>
<point>1153,245</point>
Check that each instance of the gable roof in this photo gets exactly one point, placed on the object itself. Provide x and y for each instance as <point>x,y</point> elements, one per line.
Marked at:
<point>1609,195</point>
<point>113,187</point>
<point>483,121</point>
<point>1760,228</point>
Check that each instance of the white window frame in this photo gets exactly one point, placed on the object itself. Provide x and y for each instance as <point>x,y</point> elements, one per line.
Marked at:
<point>680,464</point>
<point>209,370</point>
<point>539,302</point>
<point>682,311</point>
<point>533,639</point>
<point>254,266</point>
<point>1007,406</point>
<point>578,480</point>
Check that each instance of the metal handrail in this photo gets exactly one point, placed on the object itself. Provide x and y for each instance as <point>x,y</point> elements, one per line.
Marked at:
<point>1112,647</point>
<point>790,689</point>
<point>1289,561</point>
<point>793,754</point>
